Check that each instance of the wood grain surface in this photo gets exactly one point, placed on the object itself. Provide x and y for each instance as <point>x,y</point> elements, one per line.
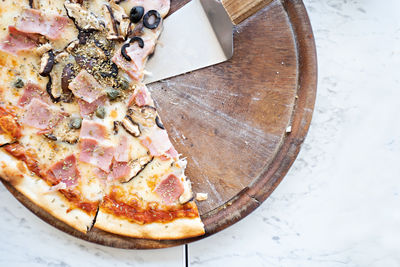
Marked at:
<point>239,10</point>
<point>230,120</point>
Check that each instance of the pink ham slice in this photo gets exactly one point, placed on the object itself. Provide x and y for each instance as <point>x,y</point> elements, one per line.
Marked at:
<point>85,86</point>
<point>157,142</point>
<point>33,91</point>
<point>138,55</point>
<point>141,97</point>
<point>122,150</point>
<point>119,170</point>
<point>94,153</point>
<point>93,130</point>
<point>87,109</point>
<point>17,41</point>
<point>34,21</point>
<point>170,189</point>
<point>40,115</point>
<point>64,171</point>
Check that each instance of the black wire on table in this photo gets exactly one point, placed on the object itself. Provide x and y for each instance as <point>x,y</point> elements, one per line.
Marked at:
<point>186,256</point>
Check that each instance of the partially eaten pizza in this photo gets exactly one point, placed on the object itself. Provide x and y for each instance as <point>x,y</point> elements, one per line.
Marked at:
<point>80,134</point>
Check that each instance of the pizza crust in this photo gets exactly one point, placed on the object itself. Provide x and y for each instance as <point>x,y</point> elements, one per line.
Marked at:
<point>38,191</point>
<point>176,229</point>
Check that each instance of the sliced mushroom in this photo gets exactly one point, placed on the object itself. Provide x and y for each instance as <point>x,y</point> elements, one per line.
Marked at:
<point>34,4</point>
<point>83,19</point>
<point>145,115</point>
<point>111,23</point>
<point>63,132</point>
<point>116,127</point>
<point>59,79</point>
<point>131,126</point>
<point>41,49</point>
<point>47,63</point>
<point>137,166</point>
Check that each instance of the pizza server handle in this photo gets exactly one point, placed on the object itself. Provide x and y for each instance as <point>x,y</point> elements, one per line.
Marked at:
<point>239,10</point>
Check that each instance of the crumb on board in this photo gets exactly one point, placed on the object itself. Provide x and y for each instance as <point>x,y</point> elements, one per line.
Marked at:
<point>289,129</point>
<point>201,196</point>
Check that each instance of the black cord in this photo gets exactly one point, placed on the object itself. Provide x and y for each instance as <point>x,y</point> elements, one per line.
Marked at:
<point>186,255</point>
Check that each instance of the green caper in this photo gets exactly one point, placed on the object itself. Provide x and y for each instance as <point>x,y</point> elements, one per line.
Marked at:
<point>124,84</point>
<point>19,83</point>
<point>100,112</point>
<point>112,94</point>
<point>75,123</point>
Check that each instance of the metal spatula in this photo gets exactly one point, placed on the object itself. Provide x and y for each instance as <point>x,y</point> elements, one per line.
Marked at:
<point>198,35</point>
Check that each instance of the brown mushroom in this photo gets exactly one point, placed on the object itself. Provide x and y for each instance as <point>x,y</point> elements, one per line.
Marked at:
<point>131,126</point>
<point>145,115</point>
<point>83,19</point>
<point>137,166</point>
<point>47,63</point>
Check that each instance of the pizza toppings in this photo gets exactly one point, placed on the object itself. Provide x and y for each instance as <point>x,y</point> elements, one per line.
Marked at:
<point>152,19</point>
<point>140,97</point>
<point>131,126</point>
<point>87,109</point>
<point>17,41</point>
<point>157,142</point>
<point>93,130</point>
<point>86,87</point>
<point>75,123</point>
<point>40,115</point>
<point>170,189</point>
<point>47,63</point>
<point>96,153</point>
<point>117,21</point>
<point>83,18</point>
<point>136,14</point>
<point>64,171</point>
<point>122,150</point>
<point>34,21</point>
<point>32,91</point>
<point>119,170</point>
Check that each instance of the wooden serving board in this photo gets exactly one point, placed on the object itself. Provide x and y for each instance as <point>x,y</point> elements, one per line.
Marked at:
<point>230,120</point>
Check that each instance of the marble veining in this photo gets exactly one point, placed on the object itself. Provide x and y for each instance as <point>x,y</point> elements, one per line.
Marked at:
<point>339,204</point>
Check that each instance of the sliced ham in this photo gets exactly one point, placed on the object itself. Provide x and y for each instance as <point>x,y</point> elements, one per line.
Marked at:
<point>157,141</point>
<point>140,97</point>
<point>119,170</point>
<point>40,115</point>
<point>94,153</point>
<point>93,130</point>
<point>17,41</point>
<point>86,109</point>
<point>85,86</point>
<point>138,55</point>
<point>32,91</point>
<point>170,189</point>
<point>64,171</point>
<point>34,21</point>
<point>122,150</point>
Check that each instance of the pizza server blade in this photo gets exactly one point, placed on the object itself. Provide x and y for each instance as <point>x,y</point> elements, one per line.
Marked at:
<point>198,35</point>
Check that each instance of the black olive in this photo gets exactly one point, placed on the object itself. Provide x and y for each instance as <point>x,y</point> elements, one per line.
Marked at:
<point>137,39</point>
<point>159,123</point>
<point>123,52</point>
<point>146,19</point>
<point>136,14</point>
<point>48,90</point>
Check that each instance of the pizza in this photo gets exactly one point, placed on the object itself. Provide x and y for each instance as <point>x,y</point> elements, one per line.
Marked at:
<point>80,134</point>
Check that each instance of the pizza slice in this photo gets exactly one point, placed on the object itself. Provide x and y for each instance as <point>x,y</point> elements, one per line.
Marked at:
<point>79,132</point>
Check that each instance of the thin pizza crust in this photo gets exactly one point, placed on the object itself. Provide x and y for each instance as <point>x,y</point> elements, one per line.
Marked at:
<point>38,191</point>
<point>177,229</point>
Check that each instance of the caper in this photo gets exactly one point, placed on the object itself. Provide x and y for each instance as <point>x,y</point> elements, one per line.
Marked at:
<point>100,112</point>
<point>19,83</point>
<point>75,123</point>
<point>124,84</point>
<point>113,94</point>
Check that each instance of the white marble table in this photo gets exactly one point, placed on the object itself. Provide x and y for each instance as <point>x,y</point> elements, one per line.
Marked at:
<point>340,203</point>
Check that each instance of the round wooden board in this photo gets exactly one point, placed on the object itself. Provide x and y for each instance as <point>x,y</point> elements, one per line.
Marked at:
<point>230,120</point>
